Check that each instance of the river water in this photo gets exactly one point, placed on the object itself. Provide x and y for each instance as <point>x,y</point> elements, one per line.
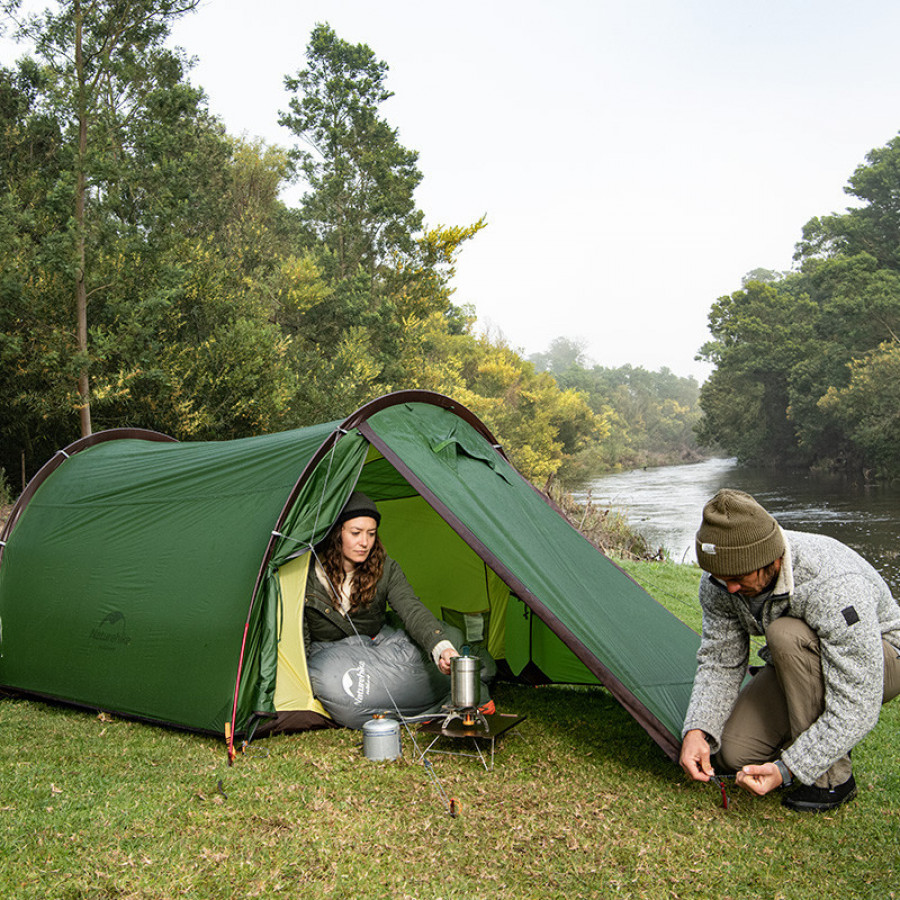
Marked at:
<point>665,505</point>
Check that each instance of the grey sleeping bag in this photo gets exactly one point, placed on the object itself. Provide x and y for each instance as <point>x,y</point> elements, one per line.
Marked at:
<point>359,676</point>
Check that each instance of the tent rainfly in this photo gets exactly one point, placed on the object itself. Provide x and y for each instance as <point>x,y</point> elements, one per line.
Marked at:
<point>164,580</point>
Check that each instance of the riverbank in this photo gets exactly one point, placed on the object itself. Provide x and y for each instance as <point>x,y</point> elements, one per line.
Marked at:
<point>606,528</point>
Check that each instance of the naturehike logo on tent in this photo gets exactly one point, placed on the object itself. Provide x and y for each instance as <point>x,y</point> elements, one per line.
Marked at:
<point>110,633</point>
<point>356,683</point>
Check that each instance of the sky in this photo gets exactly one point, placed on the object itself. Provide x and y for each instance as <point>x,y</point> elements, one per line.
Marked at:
<point>633,160</point>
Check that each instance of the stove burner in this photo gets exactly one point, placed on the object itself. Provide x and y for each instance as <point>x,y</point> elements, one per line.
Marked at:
<point>469,717</point>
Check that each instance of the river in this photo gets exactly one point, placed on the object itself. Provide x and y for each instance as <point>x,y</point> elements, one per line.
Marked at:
<point>665,504</point>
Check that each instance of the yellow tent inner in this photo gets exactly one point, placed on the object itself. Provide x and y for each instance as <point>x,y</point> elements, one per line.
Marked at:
<point>292,687</point>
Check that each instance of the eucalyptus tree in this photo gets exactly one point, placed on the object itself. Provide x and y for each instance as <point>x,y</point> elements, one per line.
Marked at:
<point>361,179</point>
<point>103,63</point>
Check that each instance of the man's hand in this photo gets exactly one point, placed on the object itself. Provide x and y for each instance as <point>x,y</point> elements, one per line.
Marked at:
<point>695,756</point>
<point>759,779</point>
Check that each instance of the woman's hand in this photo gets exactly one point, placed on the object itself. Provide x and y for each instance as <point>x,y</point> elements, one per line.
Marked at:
<point>444,661</point>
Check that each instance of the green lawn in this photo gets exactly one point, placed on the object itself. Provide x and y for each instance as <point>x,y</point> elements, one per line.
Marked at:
<point>581,803</point>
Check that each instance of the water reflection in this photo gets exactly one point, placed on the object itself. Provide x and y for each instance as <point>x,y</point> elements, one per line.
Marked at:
<point>665,505</point>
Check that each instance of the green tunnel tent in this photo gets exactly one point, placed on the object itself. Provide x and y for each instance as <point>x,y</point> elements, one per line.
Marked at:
<point>164,580</point>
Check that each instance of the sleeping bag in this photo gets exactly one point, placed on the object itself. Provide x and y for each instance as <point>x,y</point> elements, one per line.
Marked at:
<point>358,677</point>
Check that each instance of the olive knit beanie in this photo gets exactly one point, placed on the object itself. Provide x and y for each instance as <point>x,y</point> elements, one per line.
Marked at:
<point>359,505</point>
<point>737,536</point>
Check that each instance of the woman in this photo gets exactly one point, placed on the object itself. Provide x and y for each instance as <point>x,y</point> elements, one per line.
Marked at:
<point>352,582</point>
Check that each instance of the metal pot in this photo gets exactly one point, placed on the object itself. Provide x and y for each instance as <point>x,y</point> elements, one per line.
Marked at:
<point>465,681</point>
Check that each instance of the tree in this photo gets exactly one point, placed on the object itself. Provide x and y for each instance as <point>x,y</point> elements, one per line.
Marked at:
<point>106,56</point>
<point>207,351</point>
<point>415,304</point>
<point>361,179</point>
<point>385,315</point>
<point>801,358</point>
<point>37,368</point>
<point>759,334</point>
<point>216,312</point>
<point>851,266</point>
<point>539,424</point>
<point>187,259</point>
<point>564,354</point>
<point>868,410</point>
<point>649,416</point>
<point>873,227</point>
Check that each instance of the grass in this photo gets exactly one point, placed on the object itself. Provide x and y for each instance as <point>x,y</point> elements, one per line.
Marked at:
<point>580,804</point>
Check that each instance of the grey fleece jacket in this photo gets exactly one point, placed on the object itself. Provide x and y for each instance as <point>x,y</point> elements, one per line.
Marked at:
<point>849,606</point>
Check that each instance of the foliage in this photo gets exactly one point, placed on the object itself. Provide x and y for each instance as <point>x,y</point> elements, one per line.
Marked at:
<point>801,358</point>
<point>872,227</point>
<point>539,424</point>
<point>386,320</point>
<point>215,311</point>
<point>131,171</point>
<point>650,416</point>
<point>361,179</point>
<point>108,74</point>
<point>758,334</point>
<point>867,409</point>
<point>37,369</point>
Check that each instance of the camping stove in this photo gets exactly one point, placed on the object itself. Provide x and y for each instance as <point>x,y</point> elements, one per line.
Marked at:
<point>465,693</point>
<point>469,717</point>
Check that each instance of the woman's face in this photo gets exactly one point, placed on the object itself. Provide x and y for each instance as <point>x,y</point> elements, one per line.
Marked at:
<point>357,540</point>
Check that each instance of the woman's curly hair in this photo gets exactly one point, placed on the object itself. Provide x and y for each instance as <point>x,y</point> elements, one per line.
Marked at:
<point>366,576</point>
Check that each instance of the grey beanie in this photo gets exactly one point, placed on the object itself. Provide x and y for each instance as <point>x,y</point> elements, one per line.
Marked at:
<point>358,505</point>
<point>737,536</point>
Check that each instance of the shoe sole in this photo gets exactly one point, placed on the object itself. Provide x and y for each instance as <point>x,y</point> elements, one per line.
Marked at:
<point>818,807</point>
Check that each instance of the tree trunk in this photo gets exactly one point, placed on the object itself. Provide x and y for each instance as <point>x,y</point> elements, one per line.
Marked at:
<point>84,388</point>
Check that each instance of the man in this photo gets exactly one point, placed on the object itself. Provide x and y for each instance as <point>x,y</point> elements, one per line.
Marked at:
<point>832,656</point>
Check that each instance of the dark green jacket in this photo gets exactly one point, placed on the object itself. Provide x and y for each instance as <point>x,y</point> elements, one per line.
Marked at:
<point>322,622</point>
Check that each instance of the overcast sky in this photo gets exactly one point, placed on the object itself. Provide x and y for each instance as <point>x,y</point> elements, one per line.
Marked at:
<point>633,159</point>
